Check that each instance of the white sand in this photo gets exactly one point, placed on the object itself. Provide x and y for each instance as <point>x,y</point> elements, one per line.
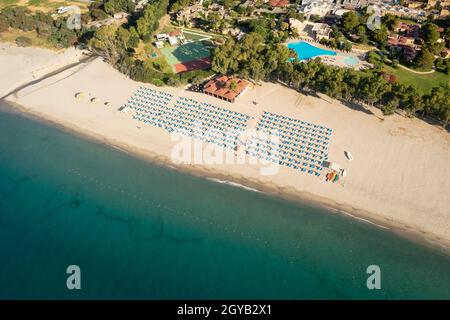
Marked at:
<point>21,65</point>
<point>400,175</point>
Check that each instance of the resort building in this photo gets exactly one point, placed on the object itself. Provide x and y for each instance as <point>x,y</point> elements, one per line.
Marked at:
<point>396,40</point>
<point>310,30</point>
<point>409,30</point>
<point>444,12</point>
<point>318,8</point>
<point>226,88</point>
<point>120,15</point>
<point>415,4</point>
<point>235,32</point>
<point>173,41</point>
<point>431,4</point>
<point>401,11</point>
<point>446,54</point>
<point>352,4</point>
<point>321,31</point>
<point>62,10</point>
<point>162,36</point>
<point>340,12</point>
<point>174,38</point>
<point>186,15</point>
<point>140,4</point>
<point>279,3</point>
<point>159,44</point>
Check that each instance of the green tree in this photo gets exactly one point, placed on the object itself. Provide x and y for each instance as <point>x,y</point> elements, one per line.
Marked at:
<point>380,35</point>
<point>390,21</point>
<point>116,6</point>
<point>178,5</point>
<point>98,14</point>
<point>362,34</point>
<point>424,60</point>
<point>409,97</point>
<point>447,36</point>
<point>430,35</point>
<point>63,37</point>
<point>350,21</point>
<point>390,107</point>
<point>149,21</point>
<point>127,38</point>
<point>233,85</point>
<point>443,65</point>
<point>19,18</point>
<point>437,103</point>
<point>105,43</point>
<point>347,46</point>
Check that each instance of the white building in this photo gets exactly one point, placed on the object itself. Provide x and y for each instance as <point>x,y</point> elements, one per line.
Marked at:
<point>159,44</point>
<point>162,36</point>
<point>321,31</point>
<point>400,11</point>
<point>140,4</point>
<point>311,30</point>
<point>120,15</point>
<point>173,41</point>
<point>62,10</point>
<point>318,7</point>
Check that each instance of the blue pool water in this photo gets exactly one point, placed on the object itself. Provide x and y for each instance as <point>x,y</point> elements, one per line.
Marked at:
<point>306,51</point>
<point>351,61</point>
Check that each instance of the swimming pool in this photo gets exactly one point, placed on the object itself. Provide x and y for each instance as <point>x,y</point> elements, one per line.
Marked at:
<point>305,50</point>
<point>351,61</point>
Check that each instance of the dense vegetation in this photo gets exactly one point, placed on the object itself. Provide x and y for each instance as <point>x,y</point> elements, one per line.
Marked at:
<point>255,59</point>
<point>354,26</point>
<point>54,30</point>
<point>259,55</point>
<point>117,44</point>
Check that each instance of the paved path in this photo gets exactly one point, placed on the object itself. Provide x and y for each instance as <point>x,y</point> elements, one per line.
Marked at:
<point>411,70</point>
<point>414,71</point>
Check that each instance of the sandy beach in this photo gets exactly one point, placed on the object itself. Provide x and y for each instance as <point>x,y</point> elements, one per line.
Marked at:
<point>399,178</point>
<point>22,65</point>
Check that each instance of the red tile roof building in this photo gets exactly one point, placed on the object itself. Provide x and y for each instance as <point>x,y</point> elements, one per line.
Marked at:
<point>220,87</point>
<point>409,30</point>
<point>174,34</point>
<point>396,40</point>
<point>279,3</point>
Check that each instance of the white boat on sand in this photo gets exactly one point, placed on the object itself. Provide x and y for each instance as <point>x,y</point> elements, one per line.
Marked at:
<point>348,155</point>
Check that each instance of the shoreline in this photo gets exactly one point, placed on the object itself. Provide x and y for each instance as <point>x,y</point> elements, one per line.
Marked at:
<point>398,179</point>
<point>402,230</point>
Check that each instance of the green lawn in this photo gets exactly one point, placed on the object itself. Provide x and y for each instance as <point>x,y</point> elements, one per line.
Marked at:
<point>195,37</point>
<point>424,82</point>
<point>201,32</point>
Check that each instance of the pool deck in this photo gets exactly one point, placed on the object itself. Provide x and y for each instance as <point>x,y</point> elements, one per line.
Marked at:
<point>339,60</point>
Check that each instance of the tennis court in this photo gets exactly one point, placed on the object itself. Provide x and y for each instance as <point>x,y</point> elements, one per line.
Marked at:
<point>189,56</point>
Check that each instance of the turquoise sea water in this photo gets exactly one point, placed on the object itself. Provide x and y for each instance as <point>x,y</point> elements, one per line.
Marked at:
<point>143,231</point>
<point>305,50</point>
